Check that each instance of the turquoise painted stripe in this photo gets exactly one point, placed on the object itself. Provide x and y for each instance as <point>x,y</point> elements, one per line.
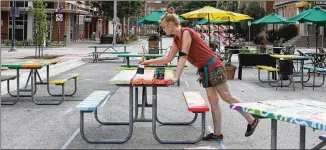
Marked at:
<point>93,101</point>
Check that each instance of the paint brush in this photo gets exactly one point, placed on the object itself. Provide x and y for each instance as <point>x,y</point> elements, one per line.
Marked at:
<point>141,68</point>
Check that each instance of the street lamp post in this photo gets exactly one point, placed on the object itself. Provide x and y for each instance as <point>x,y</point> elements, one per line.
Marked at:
<point>13,27</point>
<point>59,11</point>
<point>249,24</point>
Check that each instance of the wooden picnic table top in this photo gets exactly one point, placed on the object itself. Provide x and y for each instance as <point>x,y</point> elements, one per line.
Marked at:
<point>140,55</point>
<point>136,65</point>
<point>295,57</point>
<point>303,112</point>
<point>109,52</point>
<point>31,64</point>
<point>127,77</point>
<point>106,46</point>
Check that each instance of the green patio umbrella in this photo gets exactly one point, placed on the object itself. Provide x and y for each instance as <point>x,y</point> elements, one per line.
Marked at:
<point>154,18</point>
<point>314,15</point>
<point>271,19</point>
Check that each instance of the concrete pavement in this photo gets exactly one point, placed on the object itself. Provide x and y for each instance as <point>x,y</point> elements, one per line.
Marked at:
<point>26,125</point>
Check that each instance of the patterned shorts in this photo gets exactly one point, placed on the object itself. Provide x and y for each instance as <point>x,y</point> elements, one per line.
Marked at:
<point>216,77</point>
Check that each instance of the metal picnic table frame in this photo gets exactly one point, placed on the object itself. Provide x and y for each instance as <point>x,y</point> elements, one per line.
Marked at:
<point>126,79</point>
<point>34,65</point>
<point>301,112</point>
<point>127,56</point>
<point>107,47</point>
<point>296,58</point>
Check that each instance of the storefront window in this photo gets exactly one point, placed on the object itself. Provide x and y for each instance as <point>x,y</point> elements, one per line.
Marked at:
<point>19,3</point>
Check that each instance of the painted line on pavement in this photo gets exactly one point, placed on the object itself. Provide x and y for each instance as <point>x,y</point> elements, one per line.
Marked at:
<point>187,85</point>
<point>70,139</point>
<point>68,111</point>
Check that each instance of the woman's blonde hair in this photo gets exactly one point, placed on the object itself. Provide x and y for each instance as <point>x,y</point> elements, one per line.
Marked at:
<point>171,17</point>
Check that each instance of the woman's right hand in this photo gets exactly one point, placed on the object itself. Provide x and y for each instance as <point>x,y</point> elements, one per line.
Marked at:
<point>145,62</point>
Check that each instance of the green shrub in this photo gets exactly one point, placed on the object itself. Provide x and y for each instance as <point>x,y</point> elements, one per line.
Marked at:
<point>288,31</point>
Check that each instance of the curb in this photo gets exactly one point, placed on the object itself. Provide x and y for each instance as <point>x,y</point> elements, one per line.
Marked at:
<point>54,70</point>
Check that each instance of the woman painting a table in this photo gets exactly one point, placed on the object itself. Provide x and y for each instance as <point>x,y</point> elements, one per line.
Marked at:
<point>191,47</point>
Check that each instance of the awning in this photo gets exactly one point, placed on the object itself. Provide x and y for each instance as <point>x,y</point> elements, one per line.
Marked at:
<point>301,4</point>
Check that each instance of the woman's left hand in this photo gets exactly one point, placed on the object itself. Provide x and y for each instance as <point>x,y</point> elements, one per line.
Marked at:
<point>172,81</point>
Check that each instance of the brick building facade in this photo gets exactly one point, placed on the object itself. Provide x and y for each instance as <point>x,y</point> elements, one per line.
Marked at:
<point>73,25</point>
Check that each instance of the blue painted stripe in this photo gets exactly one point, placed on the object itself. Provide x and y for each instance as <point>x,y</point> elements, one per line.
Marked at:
<point>220,144</point>
<point>93,100</point>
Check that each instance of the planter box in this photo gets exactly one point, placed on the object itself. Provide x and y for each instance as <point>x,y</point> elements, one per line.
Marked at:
<point>255,59</point>
<point>153,44</point>
<point>106,39</point>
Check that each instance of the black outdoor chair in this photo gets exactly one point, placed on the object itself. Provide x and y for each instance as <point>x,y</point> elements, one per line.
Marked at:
<point>285,72</point>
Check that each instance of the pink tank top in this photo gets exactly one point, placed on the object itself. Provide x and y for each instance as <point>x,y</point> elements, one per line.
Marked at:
<point>199,52</point>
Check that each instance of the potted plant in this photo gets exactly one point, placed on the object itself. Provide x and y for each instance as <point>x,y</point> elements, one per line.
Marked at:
<point>230,70</point>
<point>252,58</point>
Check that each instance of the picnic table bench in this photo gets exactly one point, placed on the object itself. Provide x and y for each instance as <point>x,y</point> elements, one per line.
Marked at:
<point>91,104</point>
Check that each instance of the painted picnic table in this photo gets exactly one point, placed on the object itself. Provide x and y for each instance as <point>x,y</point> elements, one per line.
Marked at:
<point>129,78</point>
<point>303,112</point>
<point>34,65</point>
<point>127,56</point>
<point>296,58</point>
<point>96,54</point>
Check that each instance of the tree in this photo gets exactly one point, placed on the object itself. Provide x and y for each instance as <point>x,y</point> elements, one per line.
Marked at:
<point>254,10</point>
<point>40,27</point>
<point>124,8</point>
<point>187,6</point>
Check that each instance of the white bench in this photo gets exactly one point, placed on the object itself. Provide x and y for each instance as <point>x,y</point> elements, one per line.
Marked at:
<point>91,104</point>
<point>195,104</point>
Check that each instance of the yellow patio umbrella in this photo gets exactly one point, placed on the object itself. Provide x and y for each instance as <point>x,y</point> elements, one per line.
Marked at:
<point>232,17</point>
<point>206,12</point>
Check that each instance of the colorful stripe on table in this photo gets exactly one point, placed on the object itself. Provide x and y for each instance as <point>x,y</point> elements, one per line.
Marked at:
<point>290,57</point>
<point>24,66</point>
<point>123,77</point>
<point>148,78</point>
<point>303,112</point>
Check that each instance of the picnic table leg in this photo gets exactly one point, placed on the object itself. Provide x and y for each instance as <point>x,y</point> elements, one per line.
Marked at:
<point>144,100</point>
<point>301,69</point>
<point>128,62</point>
<point>274,134</point>
<point>154,117</point>
<point>136,103</point>
<point>240,72</point>
<point>124,50</point>
<point>142,105</point>
<point>302,137</point>
<point>320,145</point>
<point>33,79</point>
